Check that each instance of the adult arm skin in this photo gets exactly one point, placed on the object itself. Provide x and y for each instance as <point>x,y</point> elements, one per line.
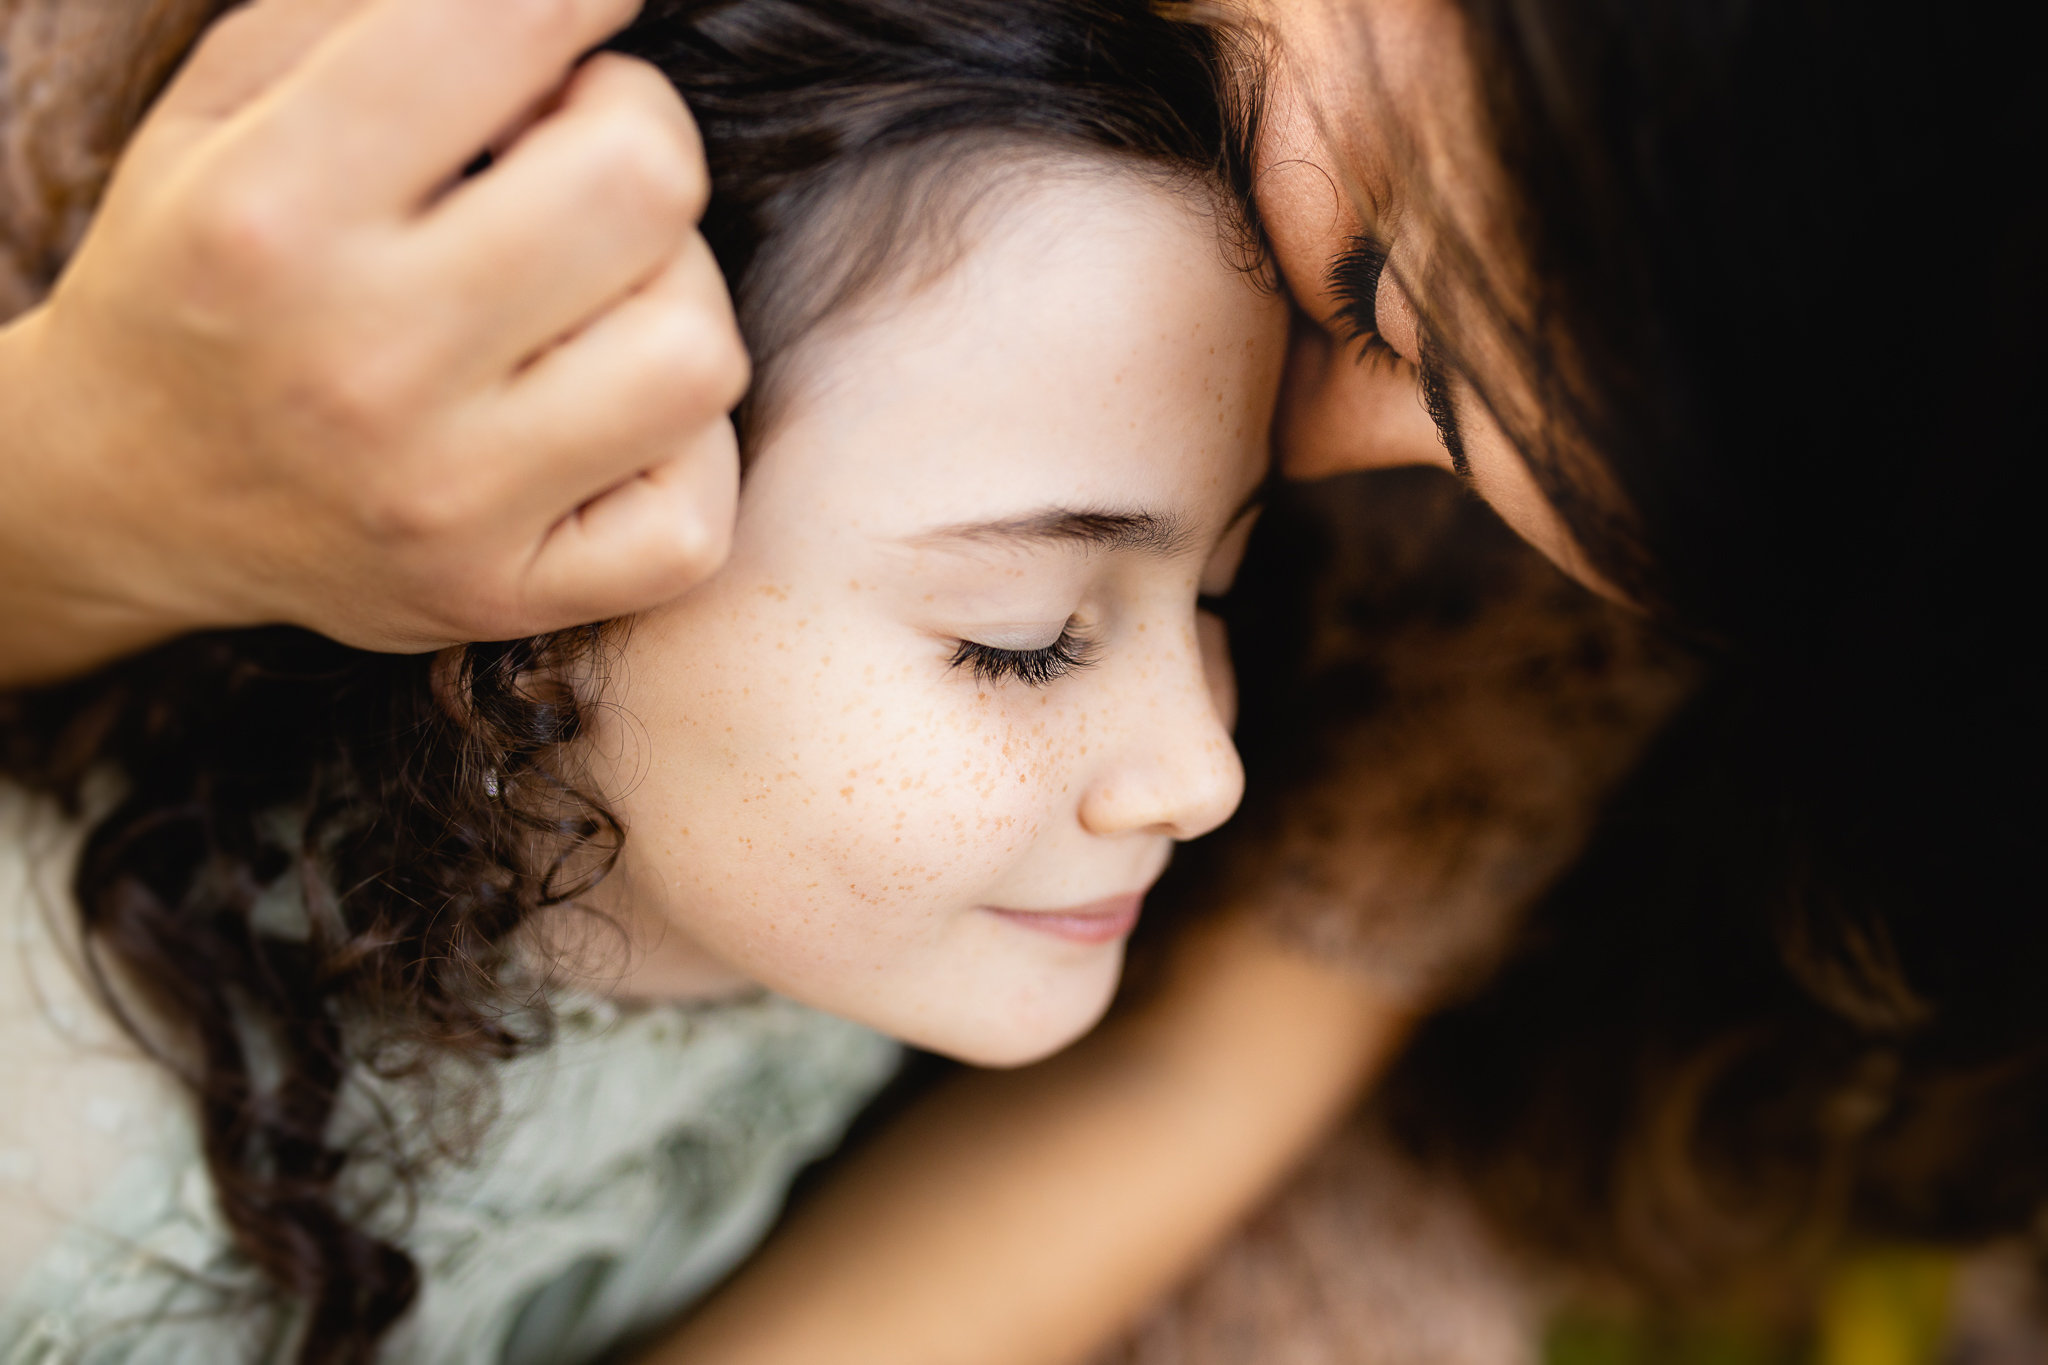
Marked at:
<point>301,369</point>
<point>1023,1218</point>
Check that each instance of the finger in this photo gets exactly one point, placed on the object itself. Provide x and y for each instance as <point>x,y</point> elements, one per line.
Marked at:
<point>645,542</point>
<point>588,205</point>
<point>622,396</point>
<point>247,52</point>
<point>404,96</point>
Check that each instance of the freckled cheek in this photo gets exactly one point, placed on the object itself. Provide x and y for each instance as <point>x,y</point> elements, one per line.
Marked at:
<point>1019,753</point>
<point>917,837</point>
<point>941,805</point>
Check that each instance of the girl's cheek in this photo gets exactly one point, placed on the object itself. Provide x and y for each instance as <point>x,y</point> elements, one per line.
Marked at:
<point>1001,766</point>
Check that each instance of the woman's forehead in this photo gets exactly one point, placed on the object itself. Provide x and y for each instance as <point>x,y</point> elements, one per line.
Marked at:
<point>1380,97</point>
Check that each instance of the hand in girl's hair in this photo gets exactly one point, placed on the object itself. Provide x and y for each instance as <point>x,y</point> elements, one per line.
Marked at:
<point>302,369</point>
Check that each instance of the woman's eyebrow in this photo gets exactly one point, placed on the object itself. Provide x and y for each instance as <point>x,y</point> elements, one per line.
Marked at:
<point>1152,533</point>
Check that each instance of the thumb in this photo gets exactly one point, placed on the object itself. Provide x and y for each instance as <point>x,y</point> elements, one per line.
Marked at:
<point>248,52</point>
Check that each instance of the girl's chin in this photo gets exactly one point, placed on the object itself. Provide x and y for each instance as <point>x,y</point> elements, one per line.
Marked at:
<point>1053,1024</point>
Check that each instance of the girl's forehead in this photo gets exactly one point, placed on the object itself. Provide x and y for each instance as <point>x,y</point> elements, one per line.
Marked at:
<point>929,216</point>
<point>1096,347</point>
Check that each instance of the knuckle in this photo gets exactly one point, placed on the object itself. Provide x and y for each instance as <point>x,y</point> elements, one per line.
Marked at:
<point>246,232</point>
<point>400,506</point>
<point>681,340</point>
<point>701,541</point>
<point>648,167</point>
<point>731,371</point>
<point>695,366</point>
<point>638,86</point>
<point>370,394</point>
<point>420,496</point>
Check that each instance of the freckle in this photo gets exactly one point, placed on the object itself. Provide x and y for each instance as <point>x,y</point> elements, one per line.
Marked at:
<point>854,584</point>
<point>846,792</point>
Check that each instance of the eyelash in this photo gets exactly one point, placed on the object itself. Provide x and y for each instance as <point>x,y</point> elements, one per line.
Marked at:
<point>1355,280</point>
<point>1032,667</point>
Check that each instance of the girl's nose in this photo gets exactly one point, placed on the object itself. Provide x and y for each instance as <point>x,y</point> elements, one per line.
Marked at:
<point>1171,768</point>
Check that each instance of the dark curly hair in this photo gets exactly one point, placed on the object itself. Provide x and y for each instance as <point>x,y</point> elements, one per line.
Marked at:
<point>435,806</point>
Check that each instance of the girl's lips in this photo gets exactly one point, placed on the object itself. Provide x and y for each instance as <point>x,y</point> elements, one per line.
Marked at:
<point>1096,922</point>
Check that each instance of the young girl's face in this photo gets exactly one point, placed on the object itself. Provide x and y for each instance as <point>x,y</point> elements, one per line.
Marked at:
<point>916,752</point>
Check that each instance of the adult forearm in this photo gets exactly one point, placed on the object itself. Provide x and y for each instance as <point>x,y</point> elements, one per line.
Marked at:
<point>1022,1218</point>
<point>60,613</point>
<point>51,634</point>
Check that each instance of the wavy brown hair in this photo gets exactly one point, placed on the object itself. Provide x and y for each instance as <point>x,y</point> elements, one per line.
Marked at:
<point>1795,986</point>
<point>427,811</point>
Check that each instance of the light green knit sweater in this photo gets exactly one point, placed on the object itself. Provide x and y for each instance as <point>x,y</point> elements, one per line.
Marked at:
<point>627,1167</point>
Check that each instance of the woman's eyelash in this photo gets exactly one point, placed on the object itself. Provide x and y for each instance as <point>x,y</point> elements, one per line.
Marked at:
<point>1354,280</point>
<point>1032,667</point>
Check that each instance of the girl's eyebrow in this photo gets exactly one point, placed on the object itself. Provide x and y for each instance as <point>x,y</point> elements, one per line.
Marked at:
<point>1153,533</point>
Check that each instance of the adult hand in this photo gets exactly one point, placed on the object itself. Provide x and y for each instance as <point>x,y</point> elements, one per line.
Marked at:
<point>302,369</point>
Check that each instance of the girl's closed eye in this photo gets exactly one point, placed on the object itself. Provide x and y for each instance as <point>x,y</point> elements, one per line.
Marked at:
<point>1040,667</point>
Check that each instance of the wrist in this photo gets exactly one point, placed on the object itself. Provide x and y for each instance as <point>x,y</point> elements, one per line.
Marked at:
<point>77,585</point>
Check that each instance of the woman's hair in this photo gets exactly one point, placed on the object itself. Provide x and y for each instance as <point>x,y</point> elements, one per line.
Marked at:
<point>428,810</point>
<point>1786,286</point>
<point>74,81</point>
